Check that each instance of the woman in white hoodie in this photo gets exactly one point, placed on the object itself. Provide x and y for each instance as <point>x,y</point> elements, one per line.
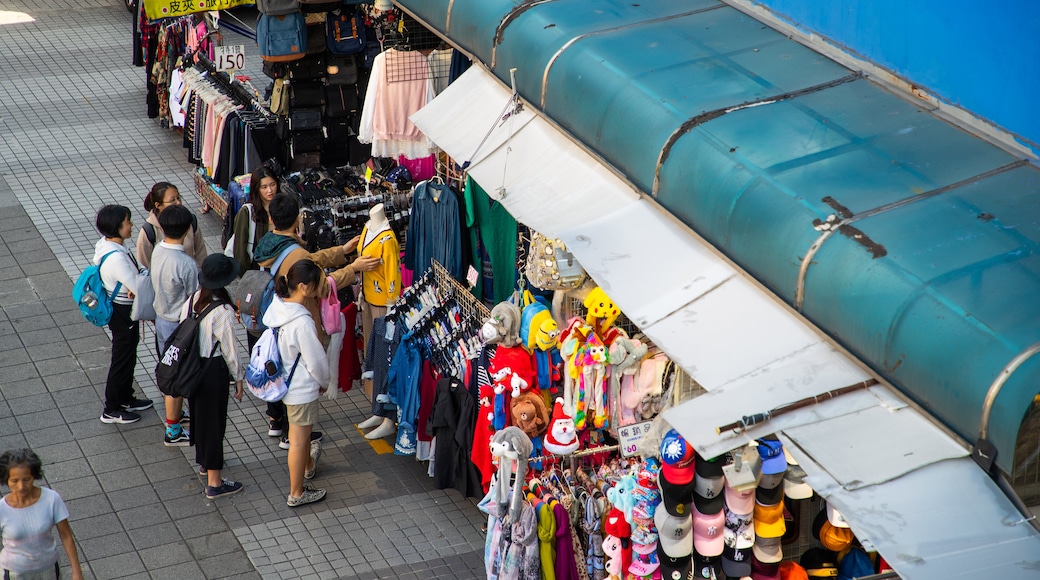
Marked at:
<point>119,268</point>
<point>298,337</point>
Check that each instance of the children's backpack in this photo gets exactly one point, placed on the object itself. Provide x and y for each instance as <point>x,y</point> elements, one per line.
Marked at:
<point>346,32</point>
<point>536,317</point>
<point>256,291</point>
<point>179,370</point>
<point>89,292</point>
<point>277,7</point>
<point>265,372</point>
<point>282,38</point>
<point>330,310</point>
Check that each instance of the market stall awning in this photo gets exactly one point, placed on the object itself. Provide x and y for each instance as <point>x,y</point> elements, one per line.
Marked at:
<point>748,349</point>
<point>907,240</point>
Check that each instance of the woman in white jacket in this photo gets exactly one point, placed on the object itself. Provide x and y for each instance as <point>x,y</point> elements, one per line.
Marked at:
<point>298,346</point>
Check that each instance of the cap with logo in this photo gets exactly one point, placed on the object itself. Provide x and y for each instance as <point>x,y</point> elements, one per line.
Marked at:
<point>740,530</point>
<point>674,533</point>
<point>741,502</point>
<point>819,563</point>
<point>832,538</point>
<point>677,457</point>
<point>736,563</point>
<point>676,498</point>
<point>709,533</point>
<point>708,484</point>
<point>644,564</point>
<point>705,568</point>
<point>674,568</point>
<point>772,453</point>
<point>769,490</point>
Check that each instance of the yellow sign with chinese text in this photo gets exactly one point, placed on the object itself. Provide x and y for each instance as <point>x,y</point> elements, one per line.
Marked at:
<point>156,9</point>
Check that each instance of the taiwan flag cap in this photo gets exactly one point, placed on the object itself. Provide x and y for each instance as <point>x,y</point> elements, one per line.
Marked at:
<point>678,458</point>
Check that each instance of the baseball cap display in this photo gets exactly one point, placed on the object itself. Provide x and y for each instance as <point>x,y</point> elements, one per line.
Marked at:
<point>709,531</point>
<point>677,457</point>
<point>644,548</point>
<point>708,486</point>
<point>772,453</point>
<point>855,564</point>
<point>736,563</point>
<point>819,563</point>
<point>674,533</point>
<point>644,564</point>
<point>740,531</point>
<point>794,480</point>
<point>769,520</point>
<point>766,495</point>
<point>768,550</point>
<point>741,502</point>
<point>676,498</point>
<point>705,568</point>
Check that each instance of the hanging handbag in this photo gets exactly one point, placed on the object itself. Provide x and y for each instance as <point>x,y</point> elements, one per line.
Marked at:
<point>550,266</point>
<point>309,141</point>
<point>306,94</point>
<point>305,119</point>
<point>275,70</point>
<point>303,161</point>
<point>280,97</point>
<point>307,69</point>
<point>341,101</point>
<point>331,320</point>
<point>342,70</point>
<point>316,38</point>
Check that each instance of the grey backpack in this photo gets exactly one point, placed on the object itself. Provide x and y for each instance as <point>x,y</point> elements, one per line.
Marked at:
<point>277,7</point>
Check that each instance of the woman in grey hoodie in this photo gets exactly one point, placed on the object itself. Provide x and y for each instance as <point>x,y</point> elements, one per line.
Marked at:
<point>304,358</point>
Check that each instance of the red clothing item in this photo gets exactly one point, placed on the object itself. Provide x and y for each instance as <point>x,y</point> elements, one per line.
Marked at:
<point>427,393</point>
<point>482,432</point>
<point>349,362</point>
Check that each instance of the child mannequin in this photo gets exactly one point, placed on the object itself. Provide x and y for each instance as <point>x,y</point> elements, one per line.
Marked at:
<point>381,287</point>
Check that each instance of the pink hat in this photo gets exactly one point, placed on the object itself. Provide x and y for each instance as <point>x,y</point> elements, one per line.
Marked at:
<point>612,547</point>
<point>709,533</point>
<point>645,564</point>
<point>740,502</point>
<point>644,548</point>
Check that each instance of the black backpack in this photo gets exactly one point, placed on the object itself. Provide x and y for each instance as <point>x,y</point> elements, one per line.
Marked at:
<point>179,370</point>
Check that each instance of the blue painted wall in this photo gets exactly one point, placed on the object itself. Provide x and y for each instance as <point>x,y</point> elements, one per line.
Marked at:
<point>983,56</point>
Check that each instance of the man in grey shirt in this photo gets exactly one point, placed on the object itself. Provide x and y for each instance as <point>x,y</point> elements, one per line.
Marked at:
<point>175,278</point>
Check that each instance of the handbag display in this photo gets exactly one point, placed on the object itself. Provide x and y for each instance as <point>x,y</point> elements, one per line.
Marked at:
<point>309,141</point>
<point>306,94</point>
<point>305,119</point>
<point>316,38</point>
<point>280,97</point>
<point>305,161</point>
<point>310,68</point>
<point>342,70</point>
<point>550,266</point>
<point>341,101</point>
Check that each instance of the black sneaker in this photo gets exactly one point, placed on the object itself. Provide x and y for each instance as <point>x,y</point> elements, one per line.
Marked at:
<point>137,405</point>
<point>226,487</point>
<point>185,417</point>
<point>181,439</point>
<point>275,427</point>
<point>121,417</point>
<point>283,443</point>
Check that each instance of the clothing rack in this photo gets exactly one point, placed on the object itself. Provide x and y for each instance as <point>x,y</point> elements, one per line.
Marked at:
<point>575,455</point>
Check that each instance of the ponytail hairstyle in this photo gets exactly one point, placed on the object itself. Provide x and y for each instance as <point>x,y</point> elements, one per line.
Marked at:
<point>303,272</point>
<point>156,195</point>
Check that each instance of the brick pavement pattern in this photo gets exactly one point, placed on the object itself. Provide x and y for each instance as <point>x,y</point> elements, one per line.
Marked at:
<point>74,135</point>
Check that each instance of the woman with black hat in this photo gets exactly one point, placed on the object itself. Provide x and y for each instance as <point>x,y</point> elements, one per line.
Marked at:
<point>220,365</point>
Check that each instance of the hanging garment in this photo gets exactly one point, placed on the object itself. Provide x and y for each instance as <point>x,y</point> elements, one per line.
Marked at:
<point>494,228</point>
<point>397,88</point>
<point>434,231</point>
<point>403,391</point>
<point>349,363</point>
<point>452,423</point>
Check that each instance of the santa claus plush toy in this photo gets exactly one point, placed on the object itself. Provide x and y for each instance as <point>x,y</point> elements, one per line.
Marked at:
<point>562,438</point>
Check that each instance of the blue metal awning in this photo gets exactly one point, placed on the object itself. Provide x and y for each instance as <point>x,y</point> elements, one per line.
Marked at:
<point>907,240</point>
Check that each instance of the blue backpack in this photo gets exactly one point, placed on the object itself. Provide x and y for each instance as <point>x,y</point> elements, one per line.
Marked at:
<point>346,32</point>
<point>89,292</point>
<point>282,38</point>
<point>256,291</point>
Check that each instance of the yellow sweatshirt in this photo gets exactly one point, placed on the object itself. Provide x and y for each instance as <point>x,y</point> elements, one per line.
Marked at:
<point>382,286</point>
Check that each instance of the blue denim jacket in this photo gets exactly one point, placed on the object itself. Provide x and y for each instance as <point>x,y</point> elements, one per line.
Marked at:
<point>434,230</point>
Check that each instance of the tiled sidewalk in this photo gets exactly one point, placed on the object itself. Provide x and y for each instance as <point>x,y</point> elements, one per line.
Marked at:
<point>73,136</point>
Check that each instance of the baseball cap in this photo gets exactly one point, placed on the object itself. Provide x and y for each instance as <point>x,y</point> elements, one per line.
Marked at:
<point>644,564</point>
<point>772,453</point>
<point>792,571</point>
<point>770,495</point>
<point>764,571</point>
<point>794,480</point>
<point>741,502</point>
<point>736,563</point>
<point>855,564</point>
<point>616,525</point>
<point>835,518</point>
<point>709,532</point>
<point>642,535</point>
<point>708,486</point>
<point>768,550</point>
<point>674,533</point>
<point>705,568</point>
<point>740,531</point>
<point>769,520</point>
<point>674,568</point>
<point>819,563</point>
<point>644,548</point>
<point>832,538</point>
<point>677,458</point>
<point>676,498</point>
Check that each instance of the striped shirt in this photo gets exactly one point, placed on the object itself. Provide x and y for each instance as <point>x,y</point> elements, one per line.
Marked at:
<point>219,327</point>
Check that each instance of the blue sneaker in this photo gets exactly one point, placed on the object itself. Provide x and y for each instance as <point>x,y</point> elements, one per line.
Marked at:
<point>226,487</point>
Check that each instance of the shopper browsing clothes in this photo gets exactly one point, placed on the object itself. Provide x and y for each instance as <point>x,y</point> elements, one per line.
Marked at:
<point>221,363</point>
<point>28,517</point>
<point>175,277</point>
<point>252,222</point>
<point>161,196</point>
<point>119,270</point>
<point>304,359</point>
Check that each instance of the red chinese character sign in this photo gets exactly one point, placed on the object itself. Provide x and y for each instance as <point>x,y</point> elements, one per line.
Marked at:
<point>156,9</point>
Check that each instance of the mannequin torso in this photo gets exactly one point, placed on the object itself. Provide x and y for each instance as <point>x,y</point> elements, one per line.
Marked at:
<point>377,223</point>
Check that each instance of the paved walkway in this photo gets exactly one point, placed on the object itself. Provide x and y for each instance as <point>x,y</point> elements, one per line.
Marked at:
<point>74,136</point>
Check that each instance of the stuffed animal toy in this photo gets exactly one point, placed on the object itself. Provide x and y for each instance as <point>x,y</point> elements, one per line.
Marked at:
<point>572,339</point>
<point>622,495</point>
<point>529,414</point>
<point>503,328</point>
<point>512,448</point>
<point>562,439</point>
<point>601,311</point>
<point>593,378</point>
<point>511,373</point>
<point>625,355</point>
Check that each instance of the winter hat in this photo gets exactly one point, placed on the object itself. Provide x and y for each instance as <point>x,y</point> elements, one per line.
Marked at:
<point>561,438</point>
<point>529,413</point>
<point>504,325</point>
<point>616,525</point>
<point>512,447</point>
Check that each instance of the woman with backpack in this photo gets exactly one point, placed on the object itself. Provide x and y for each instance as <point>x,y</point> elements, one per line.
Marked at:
<point>162,195</point>
<point>305,361</point>
<point>221,364</point>
<point>252,221</point>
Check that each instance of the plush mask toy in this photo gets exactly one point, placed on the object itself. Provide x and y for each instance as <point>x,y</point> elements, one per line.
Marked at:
<point>625,355</point>
<point>512,448</point>
<point>504,325</point>
<point>622,495</point>
<point>562,439</point>
<point>602,313</point>
<point>529,414</point>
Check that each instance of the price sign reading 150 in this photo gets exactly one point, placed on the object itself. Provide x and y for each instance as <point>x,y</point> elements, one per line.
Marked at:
<point>231,57</point>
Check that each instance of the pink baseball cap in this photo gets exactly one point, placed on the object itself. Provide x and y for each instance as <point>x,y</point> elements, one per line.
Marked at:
<point>709,533</point>
<point>740,502</point>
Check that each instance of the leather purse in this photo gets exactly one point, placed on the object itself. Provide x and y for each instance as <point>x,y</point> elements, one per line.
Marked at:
<point>304,120</point>
<point>342,70</point>
<point>307,94</point>
<point>341,101</point>
<point>305,161</point>
<point>309,68</point>
<point>309,141</point>
<point>316,38</point>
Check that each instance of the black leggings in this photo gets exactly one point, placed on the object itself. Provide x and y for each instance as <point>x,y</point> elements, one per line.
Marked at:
<point>126,333</point>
